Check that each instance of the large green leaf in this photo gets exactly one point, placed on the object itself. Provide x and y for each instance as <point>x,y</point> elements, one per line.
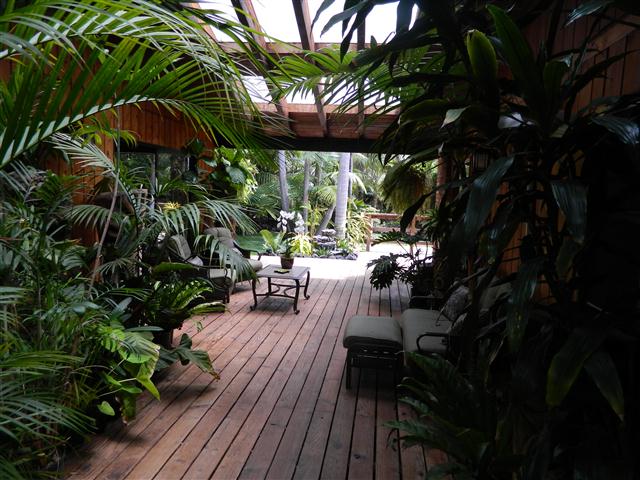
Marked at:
<point>587,8</point>
<point>603,372</point>
<point>520,58</point>
<point>568,362</point>
<point>482,196</point>
<point>519,308</point>
<point>571,197</point>
<point>625,129</point>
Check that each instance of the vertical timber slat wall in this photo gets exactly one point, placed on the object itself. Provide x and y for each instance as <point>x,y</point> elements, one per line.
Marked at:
<point>621,78</point>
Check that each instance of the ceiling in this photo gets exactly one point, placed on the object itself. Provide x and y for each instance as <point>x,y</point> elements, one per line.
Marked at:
<point>288,28</point>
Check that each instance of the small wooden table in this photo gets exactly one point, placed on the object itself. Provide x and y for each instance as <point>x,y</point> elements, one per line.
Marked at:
<point>296,274</point>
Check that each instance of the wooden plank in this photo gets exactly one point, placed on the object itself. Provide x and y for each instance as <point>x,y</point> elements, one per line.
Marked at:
<point>631,78</point>
<point>613,85</point>
<point>243,385</point>
<point>336,458</point>
<point>232,419</point>
<point>363,440</point>
<point>387,463</point>
<point>315,443</point>
<point>289,421</point>
<point>283,388</point>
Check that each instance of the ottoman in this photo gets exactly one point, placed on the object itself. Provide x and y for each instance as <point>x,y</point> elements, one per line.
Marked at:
<point>372,342</point>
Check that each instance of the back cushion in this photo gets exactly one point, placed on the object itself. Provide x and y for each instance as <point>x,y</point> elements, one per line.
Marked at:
<point>456,303</point>
<point>180,246</point>
<point>222,234</point>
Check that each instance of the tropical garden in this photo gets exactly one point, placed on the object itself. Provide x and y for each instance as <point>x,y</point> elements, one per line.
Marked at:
<point>546,388</point>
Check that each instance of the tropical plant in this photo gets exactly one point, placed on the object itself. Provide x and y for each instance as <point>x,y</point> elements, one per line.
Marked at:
<point>128,52</point>
<point>553,367</point>
<point>231,174</point>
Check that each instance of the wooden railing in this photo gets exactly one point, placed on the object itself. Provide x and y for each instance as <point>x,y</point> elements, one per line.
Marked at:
<point>411,229</point>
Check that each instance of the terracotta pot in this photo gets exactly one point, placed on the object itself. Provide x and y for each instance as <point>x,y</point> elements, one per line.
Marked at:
<point>286,262</point>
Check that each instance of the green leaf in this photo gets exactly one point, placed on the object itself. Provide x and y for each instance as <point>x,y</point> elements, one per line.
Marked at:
<point>483,194</point>
<point>567,253</point>
<point>571,197</point>
<point>409,213</point>
<point>626,130</point>
<point>452,115</point>
<point>144,377</point>
<point>236,175</point>
<point>106,408</point>
<point>168,267</point>
<point>568,362</point>
<point>520,58</point>
<point>587,8</point>
<point>519,308</point>
<point>603,372</point>
<point>482,57</point>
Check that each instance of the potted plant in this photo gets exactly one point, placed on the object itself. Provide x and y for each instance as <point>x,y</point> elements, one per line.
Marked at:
<point>171,302</point>
<point>280,244</point>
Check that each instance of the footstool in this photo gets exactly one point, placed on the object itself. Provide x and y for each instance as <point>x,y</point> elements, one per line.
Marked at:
<point>372,342</point>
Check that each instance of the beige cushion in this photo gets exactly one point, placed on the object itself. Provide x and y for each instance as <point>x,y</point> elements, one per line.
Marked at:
<point>415,322</point>
<point>382,331</point>
<point>179,245</point>
<point>222,234</point>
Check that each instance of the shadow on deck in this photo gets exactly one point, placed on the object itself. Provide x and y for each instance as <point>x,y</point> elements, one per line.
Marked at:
<point>280,409</point>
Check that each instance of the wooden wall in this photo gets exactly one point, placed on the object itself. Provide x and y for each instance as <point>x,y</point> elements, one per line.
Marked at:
<point>623,77</point>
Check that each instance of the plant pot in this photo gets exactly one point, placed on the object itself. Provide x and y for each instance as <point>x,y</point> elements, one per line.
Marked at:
<point>164,338</point>
<point>286,262</point>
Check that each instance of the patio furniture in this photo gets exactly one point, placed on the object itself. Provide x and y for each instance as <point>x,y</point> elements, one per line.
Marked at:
<point>225,237</point>
<point>372,342</point>
<point>222,279</point>
<point>378,342</point>
<point>274,276</point>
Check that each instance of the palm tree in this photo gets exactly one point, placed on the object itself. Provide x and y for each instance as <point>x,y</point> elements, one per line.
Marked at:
<point>70,64</point>
<point>342,194</point>
<point>282,179</point>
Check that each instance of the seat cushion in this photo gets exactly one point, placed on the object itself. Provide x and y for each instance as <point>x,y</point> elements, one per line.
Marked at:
<point>364,330</point>
<point>416,322</point>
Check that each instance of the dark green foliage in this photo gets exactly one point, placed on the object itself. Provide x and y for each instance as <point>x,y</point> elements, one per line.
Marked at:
<point>545,389</point>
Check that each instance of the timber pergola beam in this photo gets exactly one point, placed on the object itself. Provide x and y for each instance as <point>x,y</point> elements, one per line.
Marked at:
<point>301,9</point>
<point>247,16</point>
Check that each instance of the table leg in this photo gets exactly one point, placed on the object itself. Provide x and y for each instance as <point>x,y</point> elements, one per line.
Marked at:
<point>269,284</point>
<point>255,297</point>
<point>295,299</point>
<point>306,285</point>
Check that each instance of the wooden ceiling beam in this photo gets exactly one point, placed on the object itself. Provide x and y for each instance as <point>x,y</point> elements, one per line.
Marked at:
<point>246,14</point>
<point>360,46</point>
<point>301,9</point>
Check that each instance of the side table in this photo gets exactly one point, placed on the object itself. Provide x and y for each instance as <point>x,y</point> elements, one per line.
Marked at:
<point>277,289</point>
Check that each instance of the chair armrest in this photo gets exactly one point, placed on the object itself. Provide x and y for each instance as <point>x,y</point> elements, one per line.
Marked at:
<point>444,336</point>
<point>246,253</point>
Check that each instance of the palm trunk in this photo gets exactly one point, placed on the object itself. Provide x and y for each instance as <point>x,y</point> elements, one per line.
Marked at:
<point>284,186</point>
<point>305,190</point>
<point>325,219</point>
<point>342,195</point>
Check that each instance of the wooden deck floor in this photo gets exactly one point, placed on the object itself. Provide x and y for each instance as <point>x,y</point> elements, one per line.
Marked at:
<point>280,409</point>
